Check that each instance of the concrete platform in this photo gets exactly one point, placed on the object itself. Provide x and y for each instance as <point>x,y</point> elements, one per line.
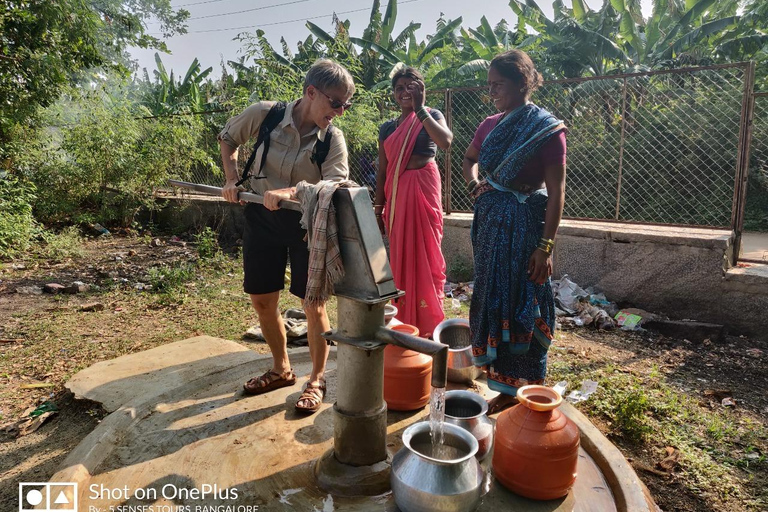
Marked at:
<point>184,438</point>
<point>155,371</point>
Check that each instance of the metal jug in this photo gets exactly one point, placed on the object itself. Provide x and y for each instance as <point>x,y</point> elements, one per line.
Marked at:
<point>455,333</point>
<point>422,482</point>
<point>469,411</point>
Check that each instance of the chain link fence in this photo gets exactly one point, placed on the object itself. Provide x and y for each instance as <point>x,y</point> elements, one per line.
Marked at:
<point>657,147</point>
<point>660,147</point>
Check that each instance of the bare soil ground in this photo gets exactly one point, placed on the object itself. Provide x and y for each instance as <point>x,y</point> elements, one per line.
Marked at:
<point>691,418</point>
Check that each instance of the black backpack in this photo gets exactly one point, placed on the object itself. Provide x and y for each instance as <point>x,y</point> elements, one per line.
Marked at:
<point>274,116</point>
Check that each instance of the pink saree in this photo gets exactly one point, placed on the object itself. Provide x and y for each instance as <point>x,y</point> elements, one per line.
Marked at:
<point>414,223</point>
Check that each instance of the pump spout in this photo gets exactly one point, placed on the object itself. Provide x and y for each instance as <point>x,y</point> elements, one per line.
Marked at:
<point>438,351</point>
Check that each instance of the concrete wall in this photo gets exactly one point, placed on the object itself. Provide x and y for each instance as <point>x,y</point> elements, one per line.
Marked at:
<point>457,246</point>
<point>678,272</point>
<point>180,214</point>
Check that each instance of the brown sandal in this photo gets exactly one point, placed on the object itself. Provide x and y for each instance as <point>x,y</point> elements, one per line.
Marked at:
<point>313,395</point>
<point>269,381</point>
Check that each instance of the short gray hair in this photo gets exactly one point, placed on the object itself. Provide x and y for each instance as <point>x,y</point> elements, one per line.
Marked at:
<point>326,74</point>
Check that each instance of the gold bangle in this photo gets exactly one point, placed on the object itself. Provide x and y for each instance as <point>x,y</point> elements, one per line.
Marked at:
<point>546,245</point>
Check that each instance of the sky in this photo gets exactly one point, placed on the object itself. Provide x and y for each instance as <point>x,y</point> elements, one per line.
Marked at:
<point>214,23</point>
<point>211,35</point>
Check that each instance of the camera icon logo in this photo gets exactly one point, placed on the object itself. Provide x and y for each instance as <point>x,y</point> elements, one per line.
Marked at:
<point>47,497</point>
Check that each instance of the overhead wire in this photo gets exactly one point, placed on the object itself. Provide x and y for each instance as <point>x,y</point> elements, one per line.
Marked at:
<point>248,10</point>
<point>283,22</point>
<point>261,8</point>
<point>201,3</point>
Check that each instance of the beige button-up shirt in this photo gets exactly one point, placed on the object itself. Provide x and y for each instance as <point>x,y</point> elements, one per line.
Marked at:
<point>288,159</point>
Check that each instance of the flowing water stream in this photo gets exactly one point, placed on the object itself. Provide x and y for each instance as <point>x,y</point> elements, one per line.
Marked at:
<point>436,422</point>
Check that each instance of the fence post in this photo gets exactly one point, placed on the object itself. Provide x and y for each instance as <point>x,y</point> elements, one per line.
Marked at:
<point>448,170</point>
<point>621,146</point>
<point>742,160</point>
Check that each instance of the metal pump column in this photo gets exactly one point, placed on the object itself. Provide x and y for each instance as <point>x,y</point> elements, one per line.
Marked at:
<point>359,463</point>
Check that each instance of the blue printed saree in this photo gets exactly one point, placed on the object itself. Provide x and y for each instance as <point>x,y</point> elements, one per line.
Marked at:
<point>512,318</point>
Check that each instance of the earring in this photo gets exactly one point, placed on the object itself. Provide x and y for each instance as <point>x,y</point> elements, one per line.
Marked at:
<point>522,89</point>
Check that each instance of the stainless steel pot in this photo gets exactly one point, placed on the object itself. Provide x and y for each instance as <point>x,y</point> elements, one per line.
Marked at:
<point>455,333</point>
<point>469,411</point>
<point>389,313</point>
<point>450,482</point>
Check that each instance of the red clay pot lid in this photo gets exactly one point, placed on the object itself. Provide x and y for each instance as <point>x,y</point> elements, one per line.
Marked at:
<point>539,398</point>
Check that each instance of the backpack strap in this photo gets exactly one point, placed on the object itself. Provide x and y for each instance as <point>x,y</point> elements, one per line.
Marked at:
<point>322,147</point>
<point>273,118</point>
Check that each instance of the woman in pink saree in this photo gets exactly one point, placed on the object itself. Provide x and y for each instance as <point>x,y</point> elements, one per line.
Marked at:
<point>408,202</point>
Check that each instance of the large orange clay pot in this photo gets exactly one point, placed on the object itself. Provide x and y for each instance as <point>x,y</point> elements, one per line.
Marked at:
<point>537,446</point>
<point>407,375</point>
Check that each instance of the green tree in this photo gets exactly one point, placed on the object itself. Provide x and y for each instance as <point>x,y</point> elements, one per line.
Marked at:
<point>104,162</point>
<point>44,45</point>
<point>17,225</point>
<point>581,41</point>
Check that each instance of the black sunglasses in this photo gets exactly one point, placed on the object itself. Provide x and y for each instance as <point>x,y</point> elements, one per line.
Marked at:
<point>335,103</point>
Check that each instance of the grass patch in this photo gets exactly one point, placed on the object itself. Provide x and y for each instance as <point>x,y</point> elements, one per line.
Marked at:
<point>64,245</point>
<point>646,413</point>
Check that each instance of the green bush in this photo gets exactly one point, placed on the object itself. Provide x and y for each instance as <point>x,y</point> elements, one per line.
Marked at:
<point>623,401</point>
<point>756,214</point>
<point>630,415</point>
<point>207,244</point>
<point>17,225</point>
<point>67,244</point>
<point>460,270</point>
<point>170,279</point>
<point>106,162</point>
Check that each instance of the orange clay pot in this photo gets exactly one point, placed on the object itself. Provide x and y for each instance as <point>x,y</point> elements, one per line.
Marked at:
<point>407,375</point>
<point>537,446</point>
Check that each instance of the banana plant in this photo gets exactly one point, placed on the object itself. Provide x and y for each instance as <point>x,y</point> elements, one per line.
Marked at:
<point>266,57</point>
<point>618,38</point>
<point>380,52</point>
<point>169,95</point>
<point>578,41</point>
<point>482,44</point>
<point>676,28</point>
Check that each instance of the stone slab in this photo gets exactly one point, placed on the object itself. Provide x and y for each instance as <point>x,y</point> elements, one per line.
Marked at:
<point>619,232</point>
<point>689,330</point>
<point>156,371</point>
<point>750,273</point>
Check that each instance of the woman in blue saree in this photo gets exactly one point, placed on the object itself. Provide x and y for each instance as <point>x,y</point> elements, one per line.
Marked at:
<point>515,169</point>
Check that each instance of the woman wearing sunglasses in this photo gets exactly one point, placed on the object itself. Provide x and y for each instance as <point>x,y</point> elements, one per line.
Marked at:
<point>272,235</point>
<point>408,203</point>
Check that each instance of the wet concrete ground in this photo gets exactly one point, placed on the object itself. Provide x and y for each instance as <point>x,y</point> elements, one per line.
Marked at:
<point>183,437</point>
